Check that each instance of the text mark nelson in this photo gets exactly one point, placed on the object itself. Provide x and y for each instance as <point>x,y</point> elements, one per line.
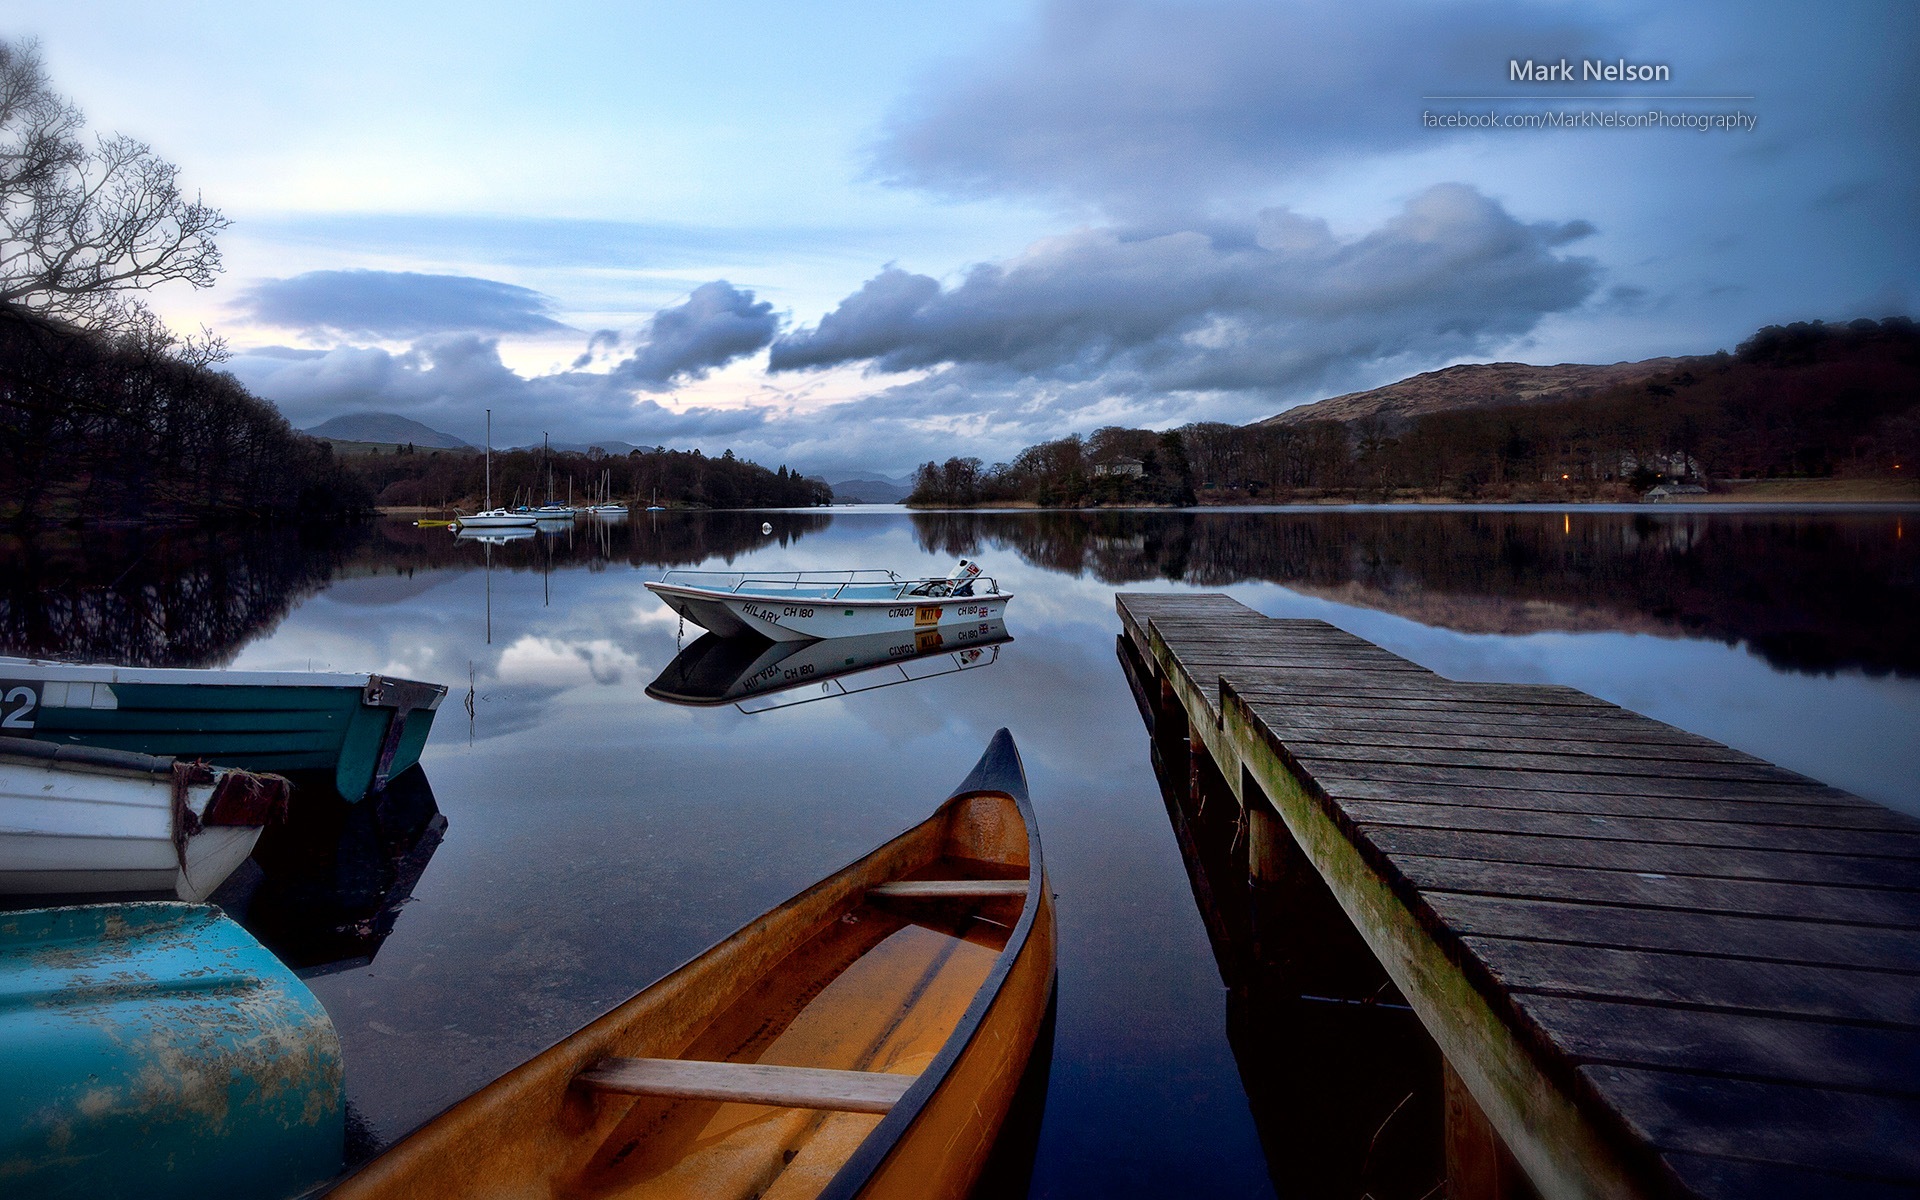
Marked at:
<point>1590,69</point>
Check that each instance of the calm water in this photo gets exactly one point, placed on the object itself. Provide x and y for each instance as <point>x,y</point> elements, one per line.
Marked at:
<point>596,837</point>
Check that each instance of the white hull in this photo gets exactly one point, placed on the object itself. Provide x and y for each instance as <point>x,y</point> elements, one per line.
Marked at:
<point>498,519</point>
<point>799,619</point>
<point>70,828</point>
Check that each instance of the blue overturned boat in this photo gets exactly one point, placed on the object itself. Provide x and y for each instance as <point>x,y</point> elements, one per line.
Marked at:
<point>158,1050</point>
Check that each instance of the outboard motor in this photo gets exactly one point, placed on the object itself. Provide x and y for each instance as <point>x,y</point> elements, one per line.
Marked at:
<point>961,578</point>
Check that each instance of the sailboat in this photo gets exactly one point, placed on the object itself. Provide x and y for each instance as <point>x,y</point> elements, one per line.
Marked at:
<point>606,507</point>
<point>491,517</point>
<point>550,511</point>
<point>655,505</point>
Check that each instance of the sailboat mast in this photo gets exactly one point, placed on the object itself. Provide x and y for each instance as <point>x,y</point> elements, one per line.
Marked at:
<point>489,460</point>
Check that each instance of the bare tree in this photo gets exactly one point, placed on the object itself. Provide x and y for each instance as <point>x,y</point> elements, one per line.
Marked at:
<point>81,228</point>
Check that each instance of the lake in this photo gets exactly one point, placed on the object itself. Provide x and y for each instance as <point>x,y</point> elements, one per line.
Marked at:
<point>596,837</point>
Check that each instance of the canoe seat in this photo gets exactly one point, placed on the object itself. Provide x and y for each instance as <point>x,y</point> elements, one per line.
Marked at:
<point>950,889</point>
<point>748,1083</point>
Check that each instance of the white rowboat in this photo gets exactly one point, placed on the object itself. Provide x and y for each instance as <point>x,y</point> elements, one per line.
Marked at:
<point>80,819</point>
<point>800,606</point>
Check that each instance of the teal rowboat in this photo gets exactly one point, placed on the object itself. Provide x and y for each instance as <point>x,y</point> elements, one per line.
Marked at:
<point>157,1050</point>
<point>364,728</point>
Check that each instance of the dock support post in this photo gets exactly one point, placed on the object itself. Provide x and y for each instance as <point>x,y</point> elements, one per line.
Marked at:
<point>1479,1165</point>
<point>1298,926</point>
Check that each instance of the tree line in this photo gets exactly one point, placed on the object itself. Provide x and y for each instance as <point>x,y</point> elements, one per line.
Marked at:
<point>1114,466</point>
<point>455,479</point>
<point>1807,400</point>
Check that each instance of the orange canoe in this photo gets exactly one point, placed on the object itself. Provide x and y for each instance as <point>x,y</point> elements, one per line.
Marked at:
<point>863,1039</point>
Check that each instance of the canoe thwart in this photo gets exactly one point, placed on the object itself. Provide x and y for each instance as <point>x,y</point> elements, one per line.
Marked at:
<point>950,889</point>
<point>749,1083</point>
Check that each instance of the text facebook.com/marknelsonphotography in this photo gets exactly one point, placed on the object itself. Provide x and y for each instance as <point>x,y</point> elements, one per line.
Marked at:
<point>1591,118</point>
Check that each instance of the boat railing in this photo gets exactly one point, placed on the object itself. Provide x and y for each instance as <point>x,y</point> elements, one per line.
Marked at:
<point>839,581</point>
<point>733,581</point>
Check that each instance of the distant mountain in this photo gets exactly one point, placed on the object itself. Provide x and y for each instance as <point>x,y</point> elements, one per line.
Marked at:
<point>1479,385</point>
<point>385,427</point>
<point>869,490</point>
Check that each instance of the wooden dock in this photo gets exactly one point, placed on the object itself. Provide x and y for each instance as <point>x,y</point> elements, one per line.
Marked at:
<point>1654,965</point>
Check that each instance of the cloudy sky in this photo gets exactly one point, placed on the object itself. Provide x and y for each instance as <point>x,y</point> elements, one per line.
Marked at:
<point>858,235</point>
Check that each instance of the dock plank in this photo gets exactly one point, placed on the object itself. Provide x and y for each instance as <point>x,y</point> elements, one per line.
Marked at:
<point>1536,762</point>
<point>1761,939</point>
<point>1817,812</point>
<point>1649,889</point>
<point>1300,729</point>
<point>1817,1128</point>
<point>1702,834</point>
<point>1333,772</point>
<point>1861,996</point>
<point>1723,1045</point>
<point>1801,807</point>
<point>1674,859</point>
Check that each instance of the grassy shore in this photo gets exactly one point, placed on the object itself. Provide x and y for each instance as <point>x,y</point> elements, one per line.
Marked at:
<point>1815,491</point>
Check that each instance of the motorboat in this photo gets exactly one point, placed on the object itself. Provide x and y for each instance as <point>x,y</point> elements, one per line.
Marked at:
<point>363,727</point>
<point>804,605</point>
<point>864,1039</point>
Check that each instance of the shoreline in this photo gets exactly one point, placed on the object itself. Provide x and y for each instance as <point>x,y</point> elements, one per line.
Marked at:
<point>1768,493</point>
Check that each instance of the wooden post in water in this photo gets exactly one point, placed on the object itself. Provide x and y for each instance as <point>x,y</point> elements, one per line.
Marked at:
<point>1479,1165</point>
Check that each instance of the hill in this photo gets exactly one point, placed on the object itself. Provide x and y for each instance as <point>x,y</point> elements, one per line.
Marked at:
<point>387,428</point>
<point>1479,386</point>
<point>870,490</point>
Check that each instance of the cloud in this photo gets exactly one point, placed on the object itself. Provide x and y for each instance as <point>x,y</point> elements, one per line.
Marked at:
<point>448,380</point>
<point>604,341</point>
<point>396,305</point>
<point>1273,305</point>
<point>717,324</point>
<point>1132,106</point>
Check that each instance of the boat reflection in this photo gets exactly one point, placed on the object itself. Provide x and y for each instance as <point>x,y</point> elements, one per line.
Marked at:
<point>495,537</point>
<point>747,671</point>
<point>324,890</point>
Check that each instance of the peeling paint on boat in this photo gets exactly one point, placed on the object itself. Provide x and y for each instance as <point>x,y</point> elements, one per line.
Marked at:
<point>165,1052</point>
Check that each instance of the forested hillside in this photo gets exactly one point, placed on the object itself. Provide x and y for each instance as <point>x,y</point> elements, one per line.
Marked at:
<point>453,479</point>
<point>100,427</point>
<point>1802,401</point>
